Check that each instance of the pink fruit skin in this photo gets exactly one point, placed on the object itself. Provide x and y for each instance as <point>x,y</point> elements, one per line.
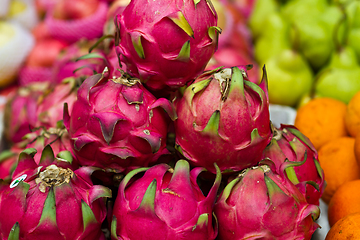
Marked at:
<point>260,204</point>
<point>116,126</point>
<point>20,111</point>
<point>289,144</point>
<point>231,130</point>
<point>46,214</point>
<point>164,205</point>
<point>67,64</point>
<point>167,43</point>
<point>51,104</point>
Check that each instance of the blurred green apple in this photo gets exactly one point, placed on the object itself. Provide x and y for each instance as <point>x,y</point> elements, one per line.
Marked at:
<point>289,78</point>
<point>339,80</point>
<point>302,9</point>
<point>262,9</point>
<point>353,40</point>
<point>275,38</point>
<point>314,40</point>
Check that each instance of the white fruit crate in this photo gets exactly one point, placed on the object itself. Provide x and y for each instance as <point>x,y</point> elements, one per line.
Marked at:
<point>286,115</point>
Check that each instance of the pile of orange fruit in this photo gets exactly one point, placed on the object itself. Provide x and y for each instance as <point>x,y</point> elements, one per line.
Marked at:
<point>334,129</point>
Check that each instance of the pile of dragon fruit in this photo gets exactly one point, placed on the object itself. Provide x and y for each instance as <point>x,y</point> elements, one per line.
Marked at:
<point>139,139</point>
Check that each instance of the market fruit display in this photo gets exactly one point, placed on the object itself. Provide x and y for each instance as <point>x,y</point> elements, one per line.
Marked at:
<point>154,123</point>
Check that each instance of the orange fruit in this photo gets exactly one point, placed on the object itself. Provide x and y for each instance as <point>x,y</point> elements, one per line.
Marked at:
<point>337,159</point>
<point>357,148</point>
<point>346,228</point>
<point>322,120</point>
<point>346,200</point>
<point>352,116</point>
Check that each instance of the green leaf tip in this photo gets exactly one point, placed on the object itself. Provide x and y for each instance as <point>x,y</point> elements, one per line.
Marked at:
<point>179,19</point>
<point>202,221</point>
<point>14,232</point>
<point>184,54</point>
<point>272,187</point>
<point>212,127</point>
<point>136,40</point>
<point>113,228</point>
<point>49,210</point>
<point>87,214</point>
<point>214,32</point>
<point>147,204</point>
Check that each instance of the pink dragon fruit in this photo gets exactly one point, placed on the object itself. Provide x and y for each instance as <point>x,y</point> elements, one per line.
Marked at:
<point>50,104</point>
<point>57,137</point>
<point>260,204</point>
<point>8,160</point>
<point>290,146</point>
<point>20,111</point>
<point>223,119</point>
<point>164,203</point>
<point>167,43</point>
<point>116,123</point>
<point>51,201</point>
<point>71,64</point>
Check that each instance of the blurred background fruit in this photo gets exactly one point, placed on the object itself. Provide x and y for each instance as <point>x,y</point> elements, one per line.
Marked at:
<point>322,120</point>
<point>344,201</point>
<point>337,159</point>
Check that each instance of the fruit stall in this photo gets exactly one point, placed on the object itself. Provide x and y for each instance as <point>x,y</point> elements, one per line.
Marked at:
<point>179,119</point>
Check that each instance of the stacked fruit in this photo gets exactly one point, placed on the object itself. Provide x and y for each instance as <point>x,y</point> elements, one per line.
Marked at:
<point>308,46</point>
<point>334,128</point>
<point>154,147</point>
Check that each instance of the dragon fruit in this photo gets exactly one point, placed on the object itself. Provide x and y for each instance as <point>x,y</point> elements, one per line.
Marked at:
<point>71,62</point>
<point>117,124</point>
<point>164,203</point>
<point>20,111</point>
<point>41,200</point>
<point>223,119</point>
<point>167,43</point>
<point>8,160</point>
<point>50,104</point>
<point>290,145</point>
<point>57,137</point>
<point>260,204</point>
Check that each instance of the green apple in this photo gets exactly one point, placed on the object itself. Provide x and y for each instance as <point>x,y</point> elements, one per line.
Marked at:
<point>344,58</point>
<point>289,78</point>
<point>340,79</point>
<point>353,13</point>
<point>340,84</point>
<point>262,9</point>
<point>353,40</point>
<point>275,38</point>
<point>314,40</point>
<point>302,9</point>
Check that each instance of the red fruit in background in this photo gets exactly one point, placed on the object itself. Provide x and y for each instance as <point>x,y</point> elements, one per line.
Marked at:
<point>41,31</point>
<point>74,9</point>
<point>45,53</point>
